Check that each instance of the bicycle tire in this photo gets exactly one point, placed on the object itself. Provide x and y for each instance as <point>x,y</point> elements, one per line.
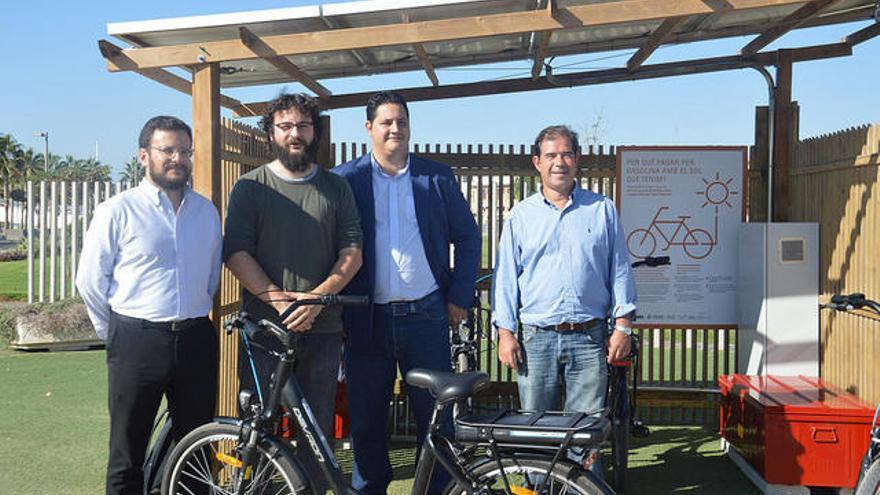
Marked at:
<point>565,477</point>
<point>206,461</point>
<point>869,484</point>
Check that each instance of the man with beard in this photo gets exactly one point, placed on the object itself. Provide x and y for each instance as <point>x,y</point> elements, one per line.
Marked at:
<point>292,231</point>
<point>149,268</point>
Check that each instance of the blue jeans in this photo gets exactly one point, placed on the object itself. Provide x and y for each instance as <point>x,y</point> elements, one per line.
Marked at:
<point>405,337</point>
<point>575,358</point>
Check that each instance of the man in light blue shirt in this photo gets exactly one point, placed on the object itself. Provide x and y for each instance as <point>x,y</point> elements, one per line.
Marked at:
<point>562,270</point>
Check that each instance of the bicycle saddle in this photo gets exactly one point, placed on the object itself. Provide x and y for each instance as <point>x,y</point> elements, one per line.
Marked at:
<point>446,386</point>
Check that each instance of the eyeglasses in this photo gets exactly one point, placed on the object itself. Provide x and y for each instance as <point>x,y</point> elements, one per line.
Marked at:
<point>286,127</point>
<point>170,151</point>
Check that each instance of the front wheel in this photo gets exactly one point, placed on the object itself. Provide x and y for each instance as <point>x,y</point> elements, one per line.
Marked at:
<point>870,482</point>
<point>526,475</point>
<point>208,461</point>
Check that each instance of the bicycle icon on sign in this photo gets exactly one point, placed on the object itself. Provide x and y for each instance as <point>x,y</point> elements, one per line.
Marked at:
<point>697,243</point>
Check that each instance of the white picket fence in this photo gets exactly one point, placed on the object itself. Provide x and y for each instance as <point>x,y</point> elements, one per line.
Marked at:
<point>57,216</point>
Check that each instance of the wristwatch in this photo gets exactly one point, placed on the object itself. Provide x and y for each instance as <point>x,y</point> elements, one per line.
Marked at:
<point>626,330</point>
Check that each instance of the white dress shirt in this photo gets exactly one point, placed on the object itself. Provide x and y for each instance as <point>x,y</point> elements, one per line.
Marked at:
<point>402,269</point>
<point>143,260</point>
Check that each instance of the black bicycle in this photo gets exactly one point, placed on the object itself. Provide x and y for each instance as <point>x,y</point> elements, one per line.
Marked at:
<point>510,452</point>
<point>869,469</point>
<point>622,399</point>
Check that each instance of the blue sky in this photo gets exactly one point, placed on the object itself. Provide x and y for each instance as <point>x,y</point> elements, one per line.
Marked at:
<point>55,80</point>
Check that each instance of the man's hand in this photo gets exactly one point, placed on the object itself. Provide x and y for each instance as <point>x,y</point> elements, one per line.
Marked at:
<point>618,346</point>
<point>456,314</point>
<point>509,351</point>
<point>302,318</point>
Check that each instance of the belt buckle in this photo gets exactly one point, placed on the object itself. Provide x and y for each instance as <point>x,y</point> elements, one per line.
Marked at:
<point>177,326</point>
<point>402,308</point>
<point>565,327</point>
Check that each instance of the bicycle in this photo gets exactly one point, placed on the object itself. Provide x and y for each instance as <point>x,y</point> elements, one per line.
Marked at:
<point>489,454</point>
<point>869,469</point>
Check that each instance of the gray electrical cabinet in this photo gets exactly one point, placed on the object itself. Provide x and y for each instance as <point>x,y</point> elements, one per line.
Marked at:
<point>778,299</point>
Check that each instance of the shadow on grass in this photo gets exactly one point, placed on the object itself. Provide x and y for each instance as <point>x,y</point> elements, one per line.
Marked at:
<point>683,459</point>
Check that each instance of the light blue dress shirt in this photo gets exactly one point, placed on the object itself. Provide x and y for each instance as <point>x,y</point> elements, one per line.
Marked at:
<point>402,270</point>
<point>562,265</point>
<point>143,260</point>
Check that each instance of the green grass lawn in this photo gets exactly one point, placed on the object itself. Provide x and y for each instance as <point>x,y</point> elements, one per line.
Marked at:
<point>53,428</point>
<point>13,280</point>
<point>53,422</point>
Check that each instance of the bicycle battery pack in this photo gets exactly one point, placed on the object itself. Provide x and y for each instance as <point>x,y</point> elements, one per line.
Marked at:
<point>534,428</point>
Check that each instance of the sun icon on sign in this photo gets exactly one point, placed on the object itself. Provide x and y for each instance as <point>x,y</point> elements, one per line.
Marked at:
<point>717,192</point>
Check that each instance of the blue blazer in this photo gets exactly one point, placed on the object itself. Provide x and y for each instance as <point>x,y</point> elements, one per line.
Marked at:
<point>444,218</point>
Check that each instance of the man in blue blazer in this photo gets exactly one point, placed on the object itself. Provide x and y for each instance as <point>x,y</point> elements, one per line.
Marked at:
<point>411,211</point>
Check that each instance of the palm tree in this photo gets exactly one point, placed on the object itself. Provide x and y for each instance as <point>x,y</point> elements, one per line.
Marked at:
<point>132,171</point>
<point>9,150</point>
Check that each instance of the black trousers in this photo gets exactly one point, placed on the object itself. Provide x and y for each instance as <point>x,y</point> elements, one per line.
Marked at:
<point>144,362</point>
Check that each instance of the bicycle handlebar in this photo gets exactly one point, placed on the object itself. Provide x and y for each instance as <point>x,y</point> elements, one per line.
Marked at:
<point>325,300</point>
<point>848,302</point>
<point>252,328</point>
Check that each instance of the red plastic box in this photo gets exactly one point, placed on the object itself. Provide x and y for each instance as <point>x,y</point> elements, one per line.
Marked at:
<point>795,430</point>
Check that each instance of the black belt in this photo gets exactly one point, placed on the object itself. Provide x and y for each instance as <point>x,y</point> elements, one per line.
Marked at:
<point>171,326</point>
<point>573,327</point>
<point>403,308</point>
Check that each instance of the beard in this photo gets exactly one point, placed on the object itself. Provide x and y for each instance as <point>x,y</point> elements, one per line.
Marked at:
<point>296,162</point>
<point>159,176</point>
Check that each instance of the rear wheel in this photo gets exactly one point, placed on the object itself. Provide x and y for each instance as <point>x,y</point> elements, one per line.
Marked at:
<point>870,482</point>
<point>524,476</point>
<point>208,461</point>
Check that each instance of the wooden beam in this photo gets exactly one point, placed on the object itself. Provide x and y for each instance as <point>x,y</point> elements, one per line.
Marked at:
<point>585,78</point>
<point>657,38</point>
<point>863,34</point>
<point>540,52</point>
<point>782,137</point>
<point>174,81</point>
<point>265,52</point>
<point>576,16</point>
<point>790,22</point>
<point>426,63</point>
<point>542,41</point>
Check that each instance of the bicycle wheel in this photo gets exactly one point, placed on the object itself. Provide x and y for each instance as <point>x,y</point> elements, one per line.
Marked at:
<point>525,476</point>
<point>207,461</point>
<point>870,482</point>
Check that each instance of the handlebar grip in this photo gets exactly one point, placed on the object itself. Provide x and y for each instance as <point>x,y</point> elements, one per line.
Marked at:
<point>351,300</point>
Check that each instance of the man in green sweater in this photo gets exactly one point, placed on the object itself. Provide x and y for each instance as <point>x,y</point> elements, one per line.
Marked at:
<point>293,230</point>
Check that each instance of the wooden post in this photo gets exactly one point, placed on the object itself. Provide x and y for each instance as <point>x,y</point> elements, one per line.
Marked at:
<point>206,168</point>
<point>325,152</point>
<point>757,202</point>
<point>782,138</point>
<point>206,132</point>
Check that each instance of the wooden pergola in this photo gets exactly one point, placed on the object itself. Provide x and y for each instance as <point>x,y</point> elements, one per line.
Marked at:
<point>310,44</point>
